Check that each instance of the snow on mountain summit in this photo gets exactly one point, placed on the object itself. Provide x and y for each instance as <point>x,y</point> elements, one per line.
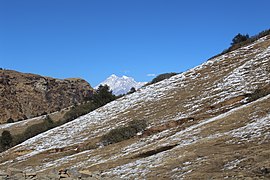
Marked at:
<point>121,85</point>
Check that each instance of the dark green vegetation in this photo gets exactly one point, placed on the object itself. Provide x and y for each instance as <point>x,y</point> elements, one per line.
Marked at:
<point>10,120</point>
<point>239,38</point>
<point>243,40</point>
<point>102,96</point>
<point>132,90</point>
<point>123,133</point>
<point>36,129</point>
<point>258,93</point>
<point>31,131</point>
<point>155,151</point>
<point>161,77</point>
<point>5,140</point>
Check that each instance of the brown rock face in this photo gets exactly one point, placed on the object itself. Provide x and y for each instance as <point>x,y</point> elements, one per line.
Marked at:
<point>27,95</point>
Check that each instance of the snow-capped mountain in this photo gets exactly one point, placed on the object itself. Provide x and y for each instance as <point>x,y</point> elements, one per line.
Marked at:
<point>121,85</point>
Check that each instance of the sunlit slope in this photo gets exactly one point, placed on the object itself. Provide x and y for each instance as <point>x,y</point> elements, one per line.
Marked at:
<point>197,121</point>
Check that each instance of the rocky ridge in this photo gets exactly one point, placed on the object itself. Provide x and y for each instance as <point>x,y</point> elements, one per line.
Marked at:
<point>26,95</point>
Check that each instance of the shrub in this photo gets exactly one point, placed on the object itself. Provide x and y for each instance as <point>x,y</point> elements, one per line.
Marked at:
<point>239,38</point>
<point>242,43</point>
<point>161,77</point>
<point>48,122</point>
<point>132,90</point>
<point>258,93</point>
<point>33,130</point>
<point>6,139</point>
<point>77,111</point>
<point>36,129</point>
<point>138,125</point>
<point>102,96</point>
<point>10,120</point>
<point>123,133</point>
<point>24,117</point>
<point>44,113</point>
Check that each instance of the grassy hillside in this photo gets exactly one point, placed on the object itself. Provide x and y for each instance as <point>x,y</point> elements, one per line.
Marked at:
<point>210,122</point>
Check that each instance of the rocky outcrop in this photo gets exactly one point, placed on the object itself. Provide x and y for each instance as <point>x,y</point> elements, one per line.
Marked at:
<point>29,95</point>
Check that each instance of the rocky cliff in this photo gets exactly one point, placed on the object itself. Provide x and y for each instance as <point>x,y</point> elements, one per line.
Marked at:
<point>28,95</point>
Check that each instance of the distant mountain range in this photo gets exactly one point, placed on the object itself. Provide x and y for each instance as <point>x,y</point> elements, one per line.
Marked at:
<point>121,85</point>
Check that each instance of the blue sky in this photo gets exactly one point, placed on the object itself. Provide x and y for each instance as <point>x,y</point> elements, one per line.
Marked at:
<point>93,39</point>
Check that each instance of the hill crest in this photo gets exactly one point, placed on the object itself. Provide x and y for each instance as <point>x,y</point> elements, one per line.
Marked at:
<point>25,95</point>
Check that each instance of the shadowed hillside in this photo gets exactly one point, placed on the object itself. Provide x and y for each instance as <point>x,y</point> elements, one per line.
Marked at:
<point>25,96</point>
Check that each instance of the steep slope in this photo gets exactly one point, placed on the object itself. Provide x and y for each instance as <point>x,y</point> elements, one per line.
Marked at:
<point>28,95</point>
<point>201,125</point>
<point>121,85</point>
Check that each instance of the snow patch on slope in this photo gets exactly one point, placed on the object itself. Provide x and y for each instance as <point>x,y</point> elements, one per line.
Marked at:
<point>253,130</point>
<point>141,167</point>
<point>77,131</point>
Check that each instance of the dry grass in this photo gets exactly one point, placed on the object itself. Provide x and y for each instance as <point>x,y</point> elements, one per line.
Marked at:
<point>197,149</point>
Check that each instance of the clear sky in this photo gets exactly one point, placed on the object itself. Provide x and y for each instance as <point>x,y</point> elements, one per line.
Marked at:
<point>93,39</point>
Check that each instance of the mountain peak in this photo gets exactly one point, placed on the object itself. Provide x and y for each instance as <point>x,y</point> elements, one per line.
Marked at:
<point>121,85</point>
<point>125,77</point>
<point>113,76</point>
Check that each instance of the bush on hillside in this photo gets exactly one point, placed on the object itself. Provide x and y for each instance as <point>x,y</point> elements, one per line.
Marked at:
<point>36,129</point>
<point>240,44</point>
<point>10,120</point>
<point>100,98</point>
<point>123,133</point>
<point>44,113</point>
<point>6,139</point>
<point>132,90</point>
<point>259,93</point>
<point>239,38</point>
<point>161,77</point>
<point>78,111</point>
<point>24,117</point>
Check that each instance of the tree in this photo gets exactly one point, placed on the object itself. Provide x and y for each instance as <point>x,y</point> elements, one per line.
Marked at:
<point>161,77</point>
<point>24,117</point>
<point>132,90</point>
<point>6,139</point>
<point>239,38</point>
<point>103,95</point>
<point>122,133</point>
